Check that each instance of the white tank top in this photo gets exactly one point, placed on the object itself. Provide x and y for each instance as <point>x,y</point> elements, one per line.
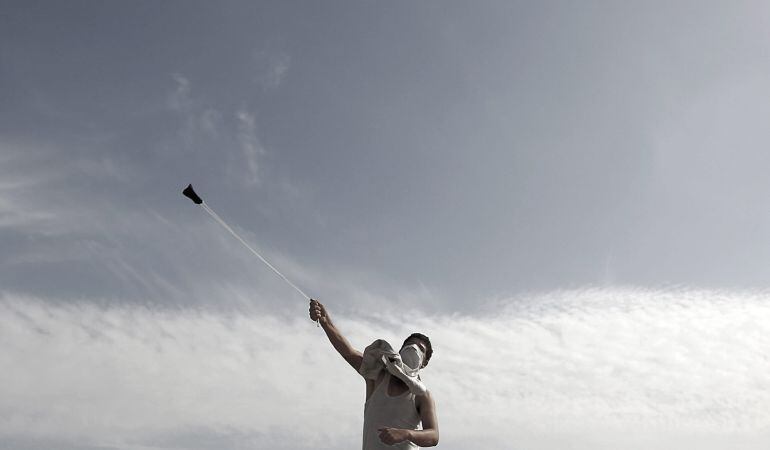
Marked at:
<point>382,410</point>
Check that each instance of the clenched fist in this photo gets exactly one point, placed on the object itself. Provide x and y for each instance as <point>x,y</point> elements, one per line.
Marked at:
<point>318,312</point>
<point>392,436</point>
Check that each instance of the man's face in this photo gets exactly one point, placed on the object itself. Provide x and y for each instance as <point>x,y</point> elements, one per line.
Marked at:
<point>419,343</point>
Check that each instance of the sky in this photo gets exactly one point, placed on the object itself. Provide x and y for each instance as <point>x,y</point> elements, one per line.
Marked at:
<point>569,198</point>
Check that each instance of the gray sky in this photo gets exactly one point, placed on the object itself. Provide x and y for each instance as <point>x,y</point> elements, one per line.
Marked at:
<point>387,156</point>
<point>474,150</point>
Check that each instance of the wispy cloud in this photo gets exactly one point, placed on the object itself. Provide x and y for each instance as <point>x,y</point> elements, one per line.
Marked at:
<point>236,133</point>
<point>594,368</point>
<point>272,67</point>
<point>211,122</point>
<point>195,119</point>
<point>250,146</point>
<point>179,99</point>
<point>62,210</point>
<point>31,175</point>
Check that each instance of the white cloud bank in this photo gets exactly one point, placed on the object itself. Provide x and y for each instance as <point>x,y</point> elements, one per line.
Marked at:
<point>583,369</point>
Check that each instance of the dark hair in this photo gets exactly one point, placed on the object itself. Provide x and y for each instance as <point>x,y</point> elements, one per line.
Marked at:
<point>428,347</point>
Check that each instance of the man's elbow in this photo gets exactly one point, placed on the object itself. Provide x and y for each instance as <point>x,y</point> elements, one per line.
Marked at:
<point>433,440</point>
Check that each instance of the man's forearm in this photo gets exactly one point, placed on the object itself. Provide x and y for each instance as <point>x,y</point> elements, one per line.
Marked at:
<point>318,312</point>
<point>335,337</point>
<point>424,438</point>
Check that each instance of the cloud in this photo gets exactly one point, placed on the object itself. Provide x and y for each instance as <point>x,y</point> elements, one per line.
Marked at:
<point>250,146</point>
<point>272,68</point>
<point>31,176</point>
<point>211,122</point>
<point>195,120</point>
<point>593,368</point>
<point>89,225</point>
<point>179,99</point>
<point>237,134</point>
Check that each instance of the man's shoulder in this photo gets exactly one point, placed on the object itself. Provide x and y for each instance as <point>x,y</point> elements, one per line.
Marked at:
<point>424,402</point>
<point>426,397</point>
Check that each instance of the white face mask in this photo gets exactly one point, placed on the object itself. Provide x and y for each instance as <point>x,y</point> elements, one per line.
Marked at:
<point>412,356</point>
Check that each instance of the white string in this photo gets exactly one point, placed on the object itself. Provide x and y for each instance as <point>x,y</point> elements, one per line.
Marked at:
<point>216,217</point>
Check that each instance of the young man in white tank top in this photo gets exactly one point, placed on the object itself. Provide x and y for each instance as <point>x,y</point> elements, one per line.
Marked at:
<point>392,414</point>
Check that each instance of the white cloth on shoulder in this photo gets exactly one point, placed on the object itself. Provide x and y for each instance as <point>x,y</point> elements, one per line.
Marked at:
<point>380,355</point>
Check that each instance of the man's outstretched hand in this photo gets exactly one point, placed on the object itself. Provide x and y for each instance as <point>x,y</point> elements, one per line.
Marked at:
<point>318,312</point>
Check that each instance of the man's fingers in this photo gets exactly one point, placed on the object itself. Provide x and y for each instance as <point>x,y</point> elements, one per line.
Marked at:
<point>386,436</point>
<point>316,310</point>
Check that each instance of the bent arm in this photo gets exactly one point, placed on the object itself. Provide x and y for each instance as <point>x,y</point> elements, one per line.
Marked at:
<point>338,341</point>
<point>428,436</point>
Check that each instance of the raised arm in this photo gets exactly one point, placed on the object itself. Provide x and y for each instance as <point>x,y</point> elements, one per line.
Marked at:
<point>343,347</point>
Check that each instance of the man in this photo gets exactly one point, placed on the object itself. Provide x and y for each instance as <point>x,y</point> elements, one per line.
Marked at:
<point>391,413</point>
